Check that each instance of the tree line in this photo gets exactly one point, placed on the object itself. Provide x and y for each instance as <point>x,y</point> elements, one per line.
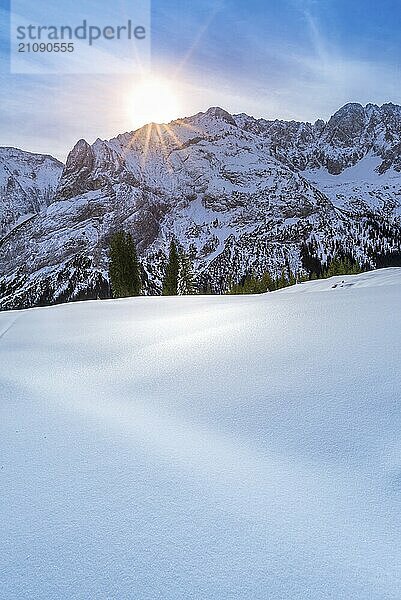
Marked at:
<point>125,272</point>
<point>339,265</point>
<point>179,278</point>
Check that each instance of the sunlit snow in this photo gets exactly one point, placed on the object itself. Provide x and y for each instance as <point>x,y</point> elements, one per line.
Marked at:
<point>208,447</point>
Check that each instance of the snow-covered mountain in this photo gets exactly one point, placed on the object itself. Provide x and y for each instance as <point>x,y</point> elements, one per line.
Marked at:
<point>362,144</point>
<point>350,134</point>
<point>240,194</point>
<point>208,448</point>
<point>27,185</point>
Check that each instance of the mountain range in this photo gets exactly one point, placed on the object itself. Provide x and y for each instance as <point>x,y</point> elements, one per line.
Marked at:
<point>240,195</point>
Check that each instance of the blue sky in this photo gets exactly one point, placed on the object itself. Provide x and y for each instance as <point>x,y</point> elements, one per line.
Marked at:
<point>292,59</point>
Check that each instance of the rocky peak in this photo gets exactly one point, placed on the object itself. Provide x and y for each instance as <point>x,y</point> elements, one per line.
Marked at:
<point>319,126</point>
<point>219,113</point>
<point>346,126</point>
<point>76,174</point>
<point>80,156</point>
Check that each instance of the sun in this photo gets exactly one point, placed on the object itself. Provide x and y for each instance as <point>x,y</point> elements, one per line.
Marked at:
<point>152,100</point>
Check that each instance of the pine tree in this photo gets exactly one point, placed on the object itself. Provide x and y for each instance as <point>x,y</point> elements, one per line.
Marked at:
<point>267,284</point>
<point>124,272</point>
<point>282,281</point>
<point>170,281</point>
<point>345,266</point>
<point>310,260</point>
<point>186,278</point>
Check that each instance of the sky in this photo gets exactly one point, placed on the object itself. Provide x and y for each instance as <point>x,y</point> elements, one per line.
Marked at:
<point>290,59</point>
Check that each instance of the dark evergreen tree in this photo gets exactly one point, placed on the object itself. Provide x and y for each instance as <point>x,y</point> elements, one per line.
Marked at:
<point>388,259</point>
<point>344,266</point>
<point>266,283</point>
<point>124,272</point>
<point>310,259</point>
<point>259,285</point>
<point>282,281</point>
<point>170,281</point>
<point>186,278</point>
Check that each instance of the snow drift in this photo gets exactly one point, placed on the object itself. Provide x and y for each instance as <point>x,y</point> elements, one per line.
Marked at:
<point>205,447</point>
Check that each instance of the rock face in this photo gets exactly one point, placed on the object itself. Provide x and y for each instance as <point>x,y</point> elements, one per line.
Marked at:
<point>77,175</point>
<point>240,194</point>
<point>349,135</point>
<point>27,185</point>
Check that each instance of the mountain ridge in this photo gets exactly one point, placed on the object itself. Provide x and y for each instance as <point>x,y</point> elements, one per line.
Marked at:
<point>239,194</point>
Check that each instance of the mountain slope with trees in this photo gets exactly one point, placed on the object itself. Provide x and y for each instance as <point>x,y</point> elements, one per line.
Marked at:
<point>242,197</point>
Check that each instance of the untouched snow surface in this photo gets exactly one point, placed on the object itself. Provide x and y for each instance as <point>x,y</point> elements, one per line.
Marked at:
<point>208,448</point>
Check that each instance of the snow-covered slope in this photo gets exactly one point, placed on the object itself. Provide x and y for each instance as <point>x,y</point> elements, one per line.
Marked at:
<point>27,185</point>
<point>204,447</point>
<point>361,188</point>
<point>354,158</point>
<point>241,195</point>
